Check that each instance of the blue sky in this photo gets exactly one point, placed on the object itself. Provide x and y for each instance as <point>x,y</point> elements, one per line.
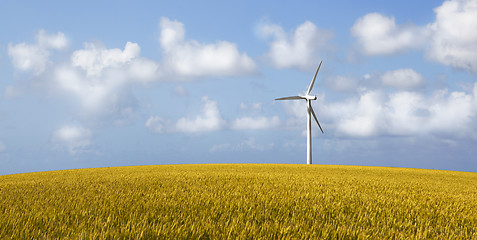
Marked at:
<point>95,84</point>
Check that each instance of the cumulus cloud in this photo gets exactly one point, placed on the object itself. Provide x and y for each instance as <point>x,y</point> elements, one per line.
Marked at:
<point>27,57</point>
<point>98,97</point>
<point>450,40</point>
<point>209,120</point>
<point>57,41</point>
<point>255,123</point>
<point>97,61</point>
<point>406,114</point>
<point>94,59</point>
<point>374,112</point>
<point>99,78</point>
<point>156,124</point>
<point>191,59</point>
<point>90,92</point>
<point>403,113</point>
<point>300,49</point>
<point>35,57</point>
<point>454,39</point>
<point>453,113</point>
<point>363,117</point>
<point>144,70</point>
<point>380,35</point>
<point>74,139</point>
<point>405,79</point>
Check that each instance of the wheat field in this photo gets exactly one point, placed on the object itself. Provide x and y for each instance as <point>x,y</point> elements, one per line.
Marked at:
<point>239,201</point>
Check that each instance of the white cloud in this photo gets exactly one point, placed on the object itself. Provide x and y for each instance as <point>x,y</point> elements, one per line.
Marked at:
<point>34,57</point>
<point>191,59</point>
<point>403,113</point>
<point>27,57</point>
<point>255,123</point>
<point>156,124</point>
<point>74,138</point>
<point>57,41</point>
<point>299,49</point>
<point>453,113</point>
<point>93,93</point>
<point>362,118</point>
<point>172,33</point>
<point>406,114</point>
<point>380,35</point>
<point>94,59</point>
<point>125,65</point>
<point>405,79</point>
<point>144,70</point>
<point>454,40</point>
<point>99,79</point>
<point>210,120</point>
<point>450,40</point>
<point>445,113</point>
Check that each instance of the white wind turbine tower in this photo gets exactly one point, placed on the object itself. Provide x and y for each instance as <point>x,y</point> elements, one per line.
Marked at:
<point>310,111</point>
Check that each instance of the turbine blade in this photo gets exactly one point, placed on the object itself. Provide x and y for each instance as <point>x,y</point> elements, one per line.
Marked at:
<point>313,81</point>
<point>290,98</point>
<point>313,112</point>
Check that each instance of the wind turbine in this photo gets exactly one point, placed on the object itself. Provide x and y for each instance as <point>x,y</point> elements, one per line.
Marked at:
<point>310,111</point>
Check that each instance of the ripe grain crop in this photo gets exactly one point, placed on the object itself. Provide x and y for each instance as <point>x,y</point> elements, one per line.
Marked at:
<point>244,201</point>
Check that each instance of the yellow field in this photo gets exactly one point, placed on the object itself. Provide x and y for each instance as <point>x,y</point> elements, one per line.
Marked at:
<point>252,201</point>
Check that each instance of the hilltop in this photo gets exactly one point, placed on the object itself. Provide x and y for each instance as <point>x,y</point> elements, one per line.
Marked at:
<point>239,201</point>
